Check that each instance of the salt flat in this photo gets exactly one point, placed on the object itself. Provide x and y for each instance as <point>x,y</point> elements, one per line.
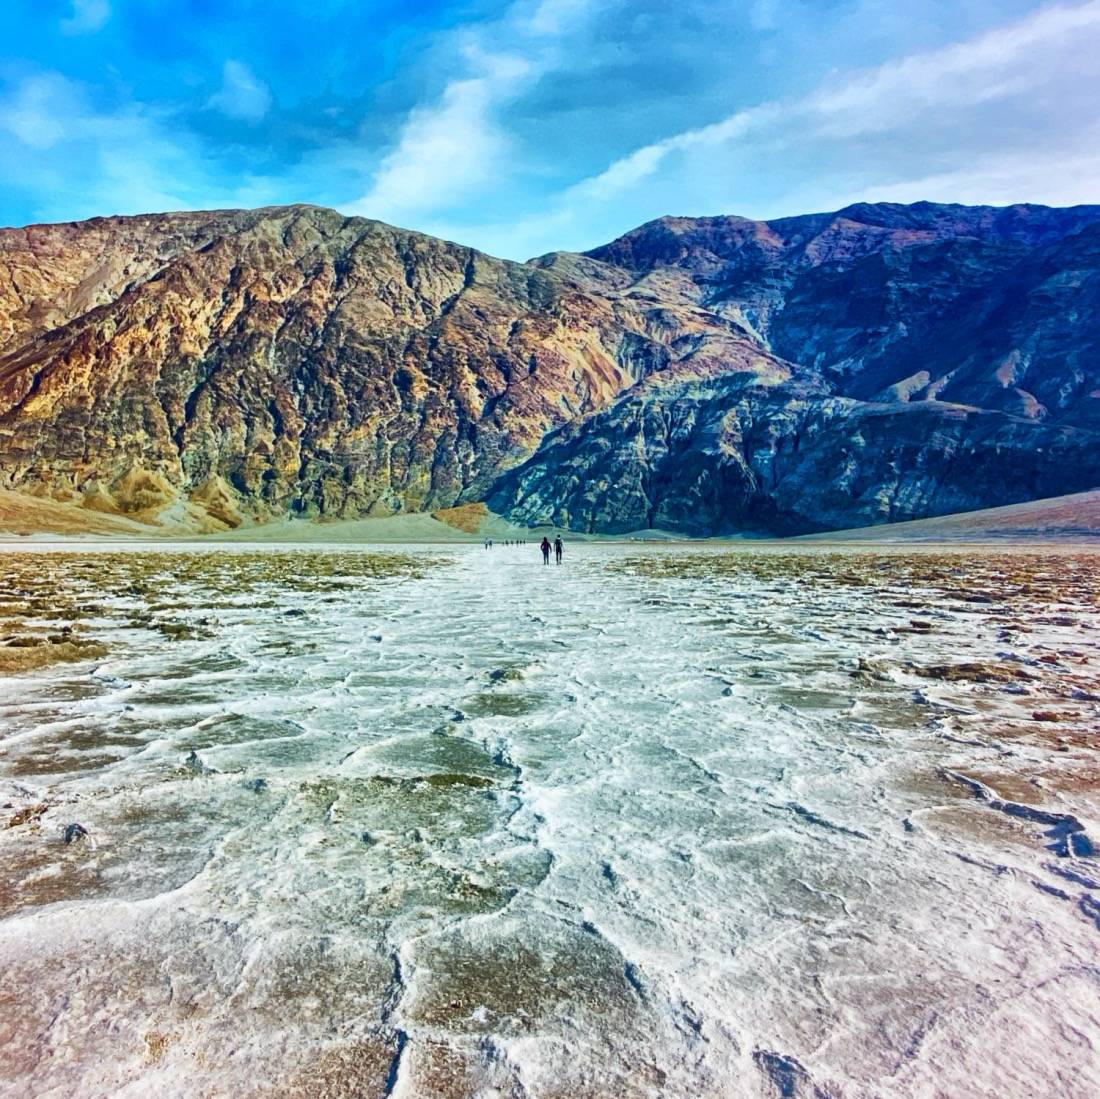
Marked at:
<point>442,821</point>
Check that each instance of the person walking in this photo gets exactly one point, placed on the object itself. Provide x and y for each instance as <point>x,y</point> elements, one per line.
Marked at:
<point>557,549</point>
<point>545,547</point>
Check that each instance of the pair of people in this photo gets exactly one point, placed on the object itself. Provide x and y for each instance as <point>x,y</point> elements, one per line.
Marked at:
<point>545,547</point>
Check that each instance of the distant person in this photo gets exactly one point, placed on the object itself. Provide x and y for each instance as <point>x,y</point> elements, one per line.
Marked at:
<point>557,549</point>
<point>545,547</point>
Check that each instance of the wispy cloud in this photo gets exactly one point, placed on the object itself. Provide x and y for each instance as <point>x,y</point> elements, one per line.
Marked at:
<point>82,160</point>
<point>41,110</point>
<point>446,150</point>
<point>896,98</point>
<point>243,95</point>
<point>452,147</point>
<point>87,17</point>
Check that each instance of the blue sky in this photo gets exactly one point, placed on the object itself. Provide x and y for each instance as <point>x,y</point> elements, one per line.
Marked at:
<point>542,124</point>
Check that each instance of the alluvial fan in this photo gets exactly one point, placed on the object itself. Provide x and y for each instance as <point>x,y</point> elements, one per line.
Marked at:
<point>684,822</point>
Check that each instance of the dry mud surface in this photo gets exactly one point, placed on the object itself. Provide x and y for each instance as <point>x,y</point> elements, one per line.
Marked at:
<point>678,822</point>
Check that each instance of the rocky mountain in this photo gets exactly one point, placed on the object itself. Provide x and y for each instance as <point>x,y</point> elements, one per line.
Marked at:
<point>703,375</point>
<point>242,365</point>
<point>942,359</point>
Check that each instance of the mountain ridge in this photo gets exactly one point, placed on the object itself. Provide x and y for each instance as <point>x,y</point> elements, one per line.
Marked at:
<point>231,367</point>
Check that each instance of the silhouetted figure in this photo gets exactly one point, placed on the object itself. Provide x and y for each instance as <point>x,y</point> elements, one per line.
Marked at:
<point>545,547</point>
<point>557,549</point>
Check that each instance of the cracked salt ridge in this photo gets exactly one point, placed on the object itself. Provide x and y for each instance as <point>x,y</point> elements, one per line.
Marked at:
<point>1066,831</point>
<point>716,928</point>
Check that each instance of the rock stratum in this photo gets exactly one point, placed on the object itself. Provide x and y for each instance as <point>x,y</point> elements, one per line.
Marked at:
<point>702,375</point>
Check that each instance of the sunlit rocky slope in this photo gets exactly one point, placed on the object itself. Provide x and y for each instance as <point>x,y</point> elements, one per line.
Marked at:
<point>704,375</point>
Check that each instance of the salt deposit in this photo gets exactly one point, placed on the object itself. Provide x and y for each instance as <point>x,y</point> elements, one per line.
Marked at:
<point>442,821</point>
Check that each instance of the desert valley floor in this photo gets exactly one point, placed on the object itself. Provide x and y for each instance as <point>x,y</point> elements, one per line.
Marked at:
<point>442,821</point>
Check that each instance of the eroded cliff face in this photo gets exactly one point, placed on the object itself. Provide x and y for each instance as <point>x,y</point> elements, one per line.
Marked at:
<point>724,456</point>
<point>51,274</point>
<point>942,358</point>
<point>992,308</point>
<point>702,375</point>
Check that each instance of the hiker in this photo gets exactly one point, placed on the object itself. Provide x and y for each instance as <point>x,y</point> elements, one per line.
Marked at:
<point>557,549</point>
<point>545,547</point>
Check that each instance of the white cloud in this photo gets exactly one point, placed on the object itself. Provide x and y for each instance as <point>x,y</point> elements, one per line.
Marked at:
<point>243,95</point>
<point>445,152</point>
<point>551,17</point>
<point>41,110</point>
<point>900,98</point>
<point>629,171</point>
<point>87,17</point>
<point>994,66</point>
<point>81,160</point>
<point>450,149</point>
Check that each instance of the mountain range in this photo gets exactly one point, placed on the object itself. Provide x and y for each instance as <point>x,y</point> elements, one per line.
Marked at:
<point>701,375</point>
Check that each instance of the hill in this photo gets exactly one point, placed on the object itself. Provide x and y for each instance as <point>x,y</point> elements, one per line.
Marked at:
<point>703,375</point>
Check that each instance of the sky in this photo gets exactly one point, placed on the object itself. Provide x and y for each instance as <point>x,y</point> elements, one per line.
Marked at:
<point>539,125</point>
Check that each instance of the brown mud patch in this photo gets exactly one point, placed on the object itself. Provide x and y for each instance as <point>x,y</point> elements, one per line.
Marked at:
<point>491,704</point>
<point>466,517</point>
<point>361,1067</point>
<point>29,654</point>
<point>973,672</point>
<point>511,985</point>
<point>967,578</point>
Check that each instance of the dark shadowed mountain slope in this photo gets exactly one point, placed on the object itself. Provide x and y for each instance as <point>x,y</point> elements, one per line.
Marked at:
<point>724,455</point>
<point>993,307</point>
<point>941,358</point>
